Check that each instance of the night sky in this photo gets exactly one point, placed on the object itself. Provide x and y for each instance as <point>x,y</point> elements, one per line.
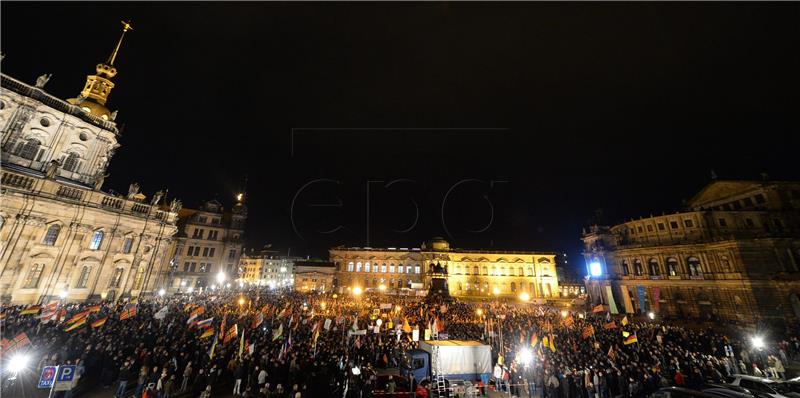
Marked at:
<point>502,126</point>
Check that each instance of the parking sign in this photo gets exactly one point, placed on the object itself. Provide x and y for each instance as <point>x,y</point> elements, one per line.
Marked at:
<point>64,377</point>
<point>48,376</point>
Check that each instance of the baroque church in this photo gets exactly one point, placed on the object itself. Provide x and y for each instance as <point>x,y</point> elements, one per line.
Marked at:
<point>61,236</point>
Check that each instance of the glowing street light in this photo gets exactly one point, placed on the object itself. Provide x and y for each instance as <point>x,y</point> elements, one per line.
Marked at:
<point>191,289</point>
<point>162,292</point>
<point>479,312</point>
<point>526,356</point>
<point>63,294</point>
<point>241,301</point>
<point>356,291</point>
<point>524,296</point>
<point>220,277</point>
<point>382,288</point>
<point>323,305</point>
<point>496,291</point>
<point>758,342</point>
<point>595,269</point>
<point>651,315</point>
<point>18,363</point>
<point>397,308</point>
<point>564,313</point>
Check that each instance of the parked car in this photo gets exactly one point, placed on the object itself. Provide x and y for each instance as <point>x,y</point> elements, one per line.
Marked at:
<point>762,385</point>
<point>681,392</point>
<point>736,389</point>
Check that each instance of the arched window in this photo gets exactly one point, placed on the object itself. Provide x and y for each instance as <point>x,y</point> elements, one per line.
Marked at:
<point>71,162</point>
<point>358,266</point>
<point>652,267</point>
<point>116,277</point>
<point>97,240</point>
<point>400,268</point>
<point>139,278</point>
<point>29,149</point>
<point>52,235</point>
<point>513,287</point>
<point>84,277</point>
<point>127,245</point>
<point>366,267</point>
<point>694,266</point>
<point>626,269</point>
<point>350,266</point>
<point>637,267</point>
<point>34,275</point>
<point>672,266</point>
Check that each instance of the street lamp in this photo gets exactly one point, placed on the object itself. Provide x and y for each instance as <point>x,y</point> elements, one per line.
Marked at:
<point>758,342</point>
<point>564,313</point>
<point>524,296</point>
<point>18,363</point>
<point>356,291</point>
<point>382,288</point>
<point>241,300</point>
<point>479,312</point>
<point>161,292</point>
<point>63,294</point>
<point>651,315</point>
<point>220,277</point>
<point>496,291</point>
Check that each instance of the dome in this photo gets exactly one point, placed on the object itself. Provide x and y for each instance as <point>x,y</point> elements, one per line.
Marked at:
<point>92,108</point>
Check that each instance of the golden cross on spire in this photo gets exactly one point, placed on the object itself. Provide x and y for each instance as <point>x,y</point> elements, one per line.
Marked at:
<point>126,26</point>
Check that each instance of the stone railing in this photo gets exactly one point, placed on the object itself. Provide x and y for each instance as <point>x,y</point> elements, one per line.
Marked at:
<point>57,190</point>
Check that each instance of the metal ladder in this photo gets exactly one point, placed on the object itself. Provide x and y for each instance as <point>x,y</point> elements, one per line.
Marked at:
<point>441,386</point>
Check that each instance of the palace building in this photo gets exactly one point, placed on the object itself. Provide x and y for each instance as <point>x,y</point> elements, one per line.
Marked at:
<point>732,254</point>
<point>470,273</point>
<point>208,244</point>
<point>61,236</point>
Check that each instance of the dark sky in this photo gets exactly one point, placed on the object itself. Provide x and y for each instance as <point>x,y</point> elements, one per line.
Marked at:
<point>513,122</point>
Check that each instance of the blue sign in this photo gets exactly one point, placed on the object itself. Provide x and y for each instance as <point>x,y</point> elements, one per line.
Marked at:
<point>65,377</point>
<point>48,376</point>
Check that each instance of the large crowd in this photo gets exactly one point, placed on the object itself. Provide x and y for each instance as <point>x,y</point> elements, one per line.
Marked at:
<point>257,343</point>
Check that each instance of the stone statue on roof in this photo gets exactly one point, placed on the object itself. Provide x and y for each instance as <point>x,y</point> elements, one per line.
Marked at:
<point>42,80</point>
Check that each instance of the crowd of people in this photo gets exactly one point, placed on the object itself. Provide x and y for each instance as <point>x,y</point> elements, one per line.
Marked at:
<point>258,343</point>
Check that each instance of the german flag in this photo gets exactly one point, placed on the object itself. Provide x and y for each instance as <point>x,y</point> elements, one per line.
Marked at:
<point>534,339</point>
<point>624,320</point>
<point>630,339</point>
<point>76,325</point>
<point>587,331</point>
<point>94,308</point>
<point>610,325</point>
<point>598,308</point>
<point>207,333</point>
<point>569,321</point>
<point>98,323</point>
<point>197,312</point>
<point>34,309</point>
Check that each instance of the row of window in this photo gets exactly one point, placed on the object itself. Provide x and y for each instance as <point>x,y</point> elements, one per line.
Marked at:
<point>495,271</point>
<point>204,219</point>
<point>192,267</point>
<point>198,233</point>
<point>399,283</point>
<point>34,276</point>
<point>194,251</point>
<point>357,267</point>
<point>653,268</point>
<point>739,204</point>
<point>51,236</point>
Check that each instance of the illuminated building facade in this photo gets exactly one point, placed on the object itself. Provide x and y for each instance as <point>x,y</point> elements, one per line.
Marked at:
<point>61,236</point>
<point>268,268</point>
<point>314,276</point>
<point>208,243</point>
<point>733,254</point>
<point>471,273</point>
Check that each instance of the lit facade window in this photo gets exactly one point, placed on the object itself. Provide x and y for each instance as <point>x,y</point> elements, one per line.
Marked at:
<point>127,245</point>
<point>97,240</point>
<point>116,278</point>
<point>350,266</point>
<point>416,269</point>
<point>358,266</point>
<point>52,235</point>
<point>366,267</point>
<point>383,268</point>
<point>84,277</point>
<point>391,268</point>
<point>34,275</point>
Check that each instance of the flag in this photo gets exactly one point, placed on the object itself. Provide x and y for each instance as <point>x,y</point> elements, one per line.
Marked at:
<point>187,307</point>
<point>204,323</point>
<point>328,323</point>
<point>198,311</point>
<point>257,321</point>
<point>355,324</point>
<point>222,326</point>
<point>231,334</point>
<point>610,325</point>
<point>34,309</point>
<point>277,333</point>
<point>162,313</point>
<point>552,343</point>
<point>598,308</point>
<point>213,346</point>
<point>127,313</point>
<point>534,339</point>
<point>77,317</point>
<point>545,342</point>
<point>406,326</point>
<point>207,333</point>
<point>569,321</point>
<point>241,345</point>
<point>21,340</point>
<point>630,339</point>
<point>625,334</point>
<point>624,320</point>
<point>251,348</point>
<point>94,308</point>
<point>76,325</point>
<point>587,331</point>
<point>98,323</point>
<point>611,353</point>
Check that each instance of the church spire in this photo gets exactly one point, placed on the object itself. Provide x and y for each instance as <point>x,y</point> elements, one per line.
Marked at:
<point>98,87</point>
